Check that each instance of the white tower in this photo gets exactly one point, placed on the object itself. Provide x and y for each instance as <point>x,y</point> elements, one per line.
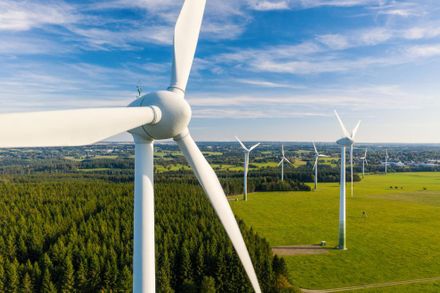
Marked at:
<point>346,141</point>
<point>283,159</point>
<point>315,166</point>
<point>246,164</point>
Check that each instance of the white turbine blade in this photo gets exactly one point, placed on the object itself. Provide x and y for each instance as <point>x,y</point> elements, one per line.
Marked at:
<point>254,146</point>
<point>186,36</point>
<point>323,156</point>
<point>242,145</point>
<point>355,130</point>
<point>282,160</point>
<point>211,185</point>
<point>344,130</point>
<point>365,153</point>
<point>282,150</point>
<point>316,163</point>
<point>287,160</point>
<point>69,127</point>
<point>366,162</point>
<point>314,146</point>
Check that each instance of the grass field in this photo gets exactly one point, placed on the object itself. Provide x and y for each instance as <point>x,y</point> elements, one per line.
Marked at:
<point>398,240</point>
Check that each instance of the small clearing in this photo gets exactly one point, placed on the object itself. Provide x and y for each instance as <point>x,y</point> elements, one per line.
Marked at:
<point>299,250</point>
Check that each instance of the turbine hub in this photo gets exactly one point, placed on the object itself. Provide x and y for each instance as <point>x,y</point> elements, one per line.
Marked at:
<point>175,115</point>
<point>345,141</point>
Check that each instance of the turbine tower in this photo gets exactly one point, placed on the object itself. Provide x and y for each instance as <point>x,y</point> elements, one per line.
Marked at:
<point>158,115</point>
<point>346,141</point>
<point>315,166</point>
<point>246,164</point>
<point>283,159</point>
<point>364,162</point>
<point>386,161</point>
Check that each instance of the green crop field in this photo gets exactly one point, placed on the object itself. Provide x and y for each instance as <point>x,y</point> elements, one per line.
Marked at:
<point>398,240</point>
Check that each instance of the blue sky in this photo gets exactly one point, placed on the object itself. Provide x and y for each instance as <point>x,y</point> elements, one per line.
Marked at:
<point>264,70</point>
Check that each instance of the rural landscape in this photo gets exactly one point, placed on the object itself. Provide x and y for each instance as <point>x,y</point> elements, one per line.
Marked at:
<point>67,220</point>
<point>207,146</point>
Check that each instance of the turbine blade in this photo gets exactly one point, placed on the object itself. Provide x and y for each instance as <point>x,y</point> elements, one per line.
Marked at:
<point>287,160</point>
<point>355,130</point>
<point>344,130</point>
<point>69,127</point>
<point>186,36</point>
<point>365,153</point>
<point>316,163</point>
<point>254,146</point>
<point>242,145</point>
<point>211,185</point>
<point>366,162</point>
<point>282,160</point>
<point>282,150</point>
<point>314,146</point>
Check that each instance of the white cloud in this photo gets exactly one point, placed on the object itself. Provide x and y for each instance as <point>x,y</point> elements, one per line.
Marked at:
<point>334,41</point>
<point>265,5</point>
<point>268,84</point>
<point>424,51</point>
<point>25,15</point>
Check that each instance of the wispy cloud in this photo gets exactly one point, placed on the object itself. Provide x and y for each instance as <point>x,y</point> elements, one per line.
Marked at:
<point>25,15</point>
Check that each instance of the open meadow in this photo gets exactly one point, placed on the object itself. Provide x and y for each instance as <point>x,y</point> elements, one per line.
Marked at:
<point>398,239</point>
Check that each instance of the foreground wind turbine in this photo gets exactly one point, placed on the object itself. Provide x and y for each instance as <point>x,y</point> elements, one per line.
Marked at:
<point>364,162</point>
<point>315,166</point>
<point>386,161</point>
<point>283,159</point>
<point>158,115</point>
<point>246,164</point>
<point>346,141</point>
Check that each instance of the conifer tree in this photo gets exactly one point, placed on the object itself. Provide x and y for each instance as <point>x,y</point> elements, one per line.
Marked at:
<point>26,284</point>
<point>81,277</point>
<point>208,285</point>
<point>12,279</point>
<point>68,281</point>
<point>47,286</point>
<point>125,281</point>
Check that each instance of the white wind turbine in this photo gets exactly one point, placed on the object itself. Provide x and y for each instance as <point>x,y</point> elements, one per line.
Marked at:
<point>315,166</point>
<point>346,141</point>
<point>246,164</point>
<point>364,162</point>
<point>283,159</point>
<point>386,161</point>
<point>158,115</point>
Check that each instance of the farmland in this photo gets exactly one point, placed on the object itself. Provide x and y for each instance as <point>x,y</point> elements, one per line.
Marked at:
<point>397,240</point>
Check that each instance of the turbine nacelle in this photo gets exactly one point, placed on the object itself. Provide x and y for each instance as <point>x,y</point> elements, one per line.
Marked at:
<point>345,141</point>
<point>173,114</point>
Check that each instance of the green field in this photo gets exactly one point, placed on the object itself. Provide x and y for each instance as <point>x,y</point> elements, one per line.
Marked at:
<point>398,240</point>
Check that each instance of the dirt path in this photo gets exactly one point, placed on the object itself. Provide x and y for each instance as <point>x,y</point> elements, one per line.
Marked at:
<point>369,286</point>
<point>299,250</point>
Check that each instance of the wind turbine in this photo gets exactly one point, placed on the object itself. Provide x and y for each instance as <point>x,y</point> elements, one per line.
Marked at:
<point>346,141</point>
<point>315,166</point>
<point>364,162</point>
<point>386,161</point>
<point>283,159</point>
<point>158,115</point>
<point>246,164</point>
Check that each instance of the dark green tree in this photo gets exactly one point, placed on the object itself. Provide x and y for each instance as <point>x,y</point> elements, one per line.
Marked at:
<point>208,285</point>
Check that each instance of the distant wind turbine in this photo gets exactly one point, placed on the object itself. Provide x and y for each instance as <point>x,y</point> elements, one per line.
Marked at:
<point>386,161</point>
<point>246,164</point>
<point>364,162</point>
<point>283,159</point>
<point>346,141</point>
<point>315,166</point>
